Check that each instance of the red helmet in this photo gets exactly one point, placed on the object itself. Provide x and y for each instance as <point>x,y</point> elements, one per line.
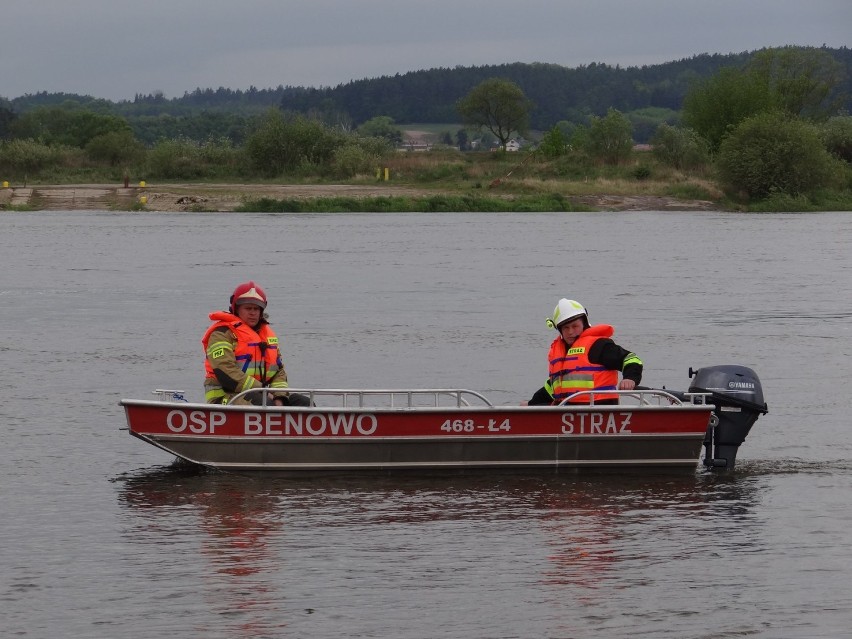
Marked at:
<point>248,293</point>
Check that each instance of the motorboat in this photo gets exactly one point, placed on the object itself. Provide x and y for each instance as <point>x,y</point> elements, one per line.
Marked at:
<point>459,430</point>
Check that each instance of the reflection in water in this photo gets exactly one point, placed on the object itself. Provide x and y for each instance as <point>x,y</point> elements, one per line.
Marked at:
<point>592,532</point>
<point>239,524</point>
<point>238,518</point>
<point>592,524</point>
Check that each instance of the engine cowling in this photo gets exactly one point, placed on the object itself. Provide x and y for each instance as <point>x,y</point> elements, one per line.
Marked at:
<point>737,395</point>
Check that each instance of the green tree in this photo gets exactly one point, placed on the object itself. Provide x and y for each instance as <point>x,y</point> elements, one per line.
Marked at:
<point>568,128</point>
<point>719,103</point>
<point>7,116</point>
<point>464,142</point>
<point>802,79</point>
<point>381,126</point>
<point>680,147</point>
<point>285,143</point>
<point>499,106</point>
<point>266,146</point>
<point>645,121</point>
<point>799,81</point>
<point>23,157</point>
<point>350,160</point>
<point>610,138</point>
<point>773,153</point>
<point>115,147</point>
<point>175,159</point>
<point>837,136</point>
<point>553,143</point>
<point>74,127</point>
<point>182,158</point>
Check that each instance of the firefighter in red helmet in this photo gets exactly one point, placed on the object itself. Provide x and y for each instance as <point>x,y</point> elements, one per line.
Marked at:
<point>242,353</point>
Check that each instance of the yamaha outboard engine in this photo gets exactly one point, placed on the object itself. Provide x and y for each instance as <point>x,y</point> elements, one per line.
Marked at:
<point>738,397</point>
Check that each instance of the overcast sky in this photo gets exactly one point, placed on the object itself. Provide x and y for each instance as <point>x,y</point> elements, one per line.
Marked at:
<point>116,48</point>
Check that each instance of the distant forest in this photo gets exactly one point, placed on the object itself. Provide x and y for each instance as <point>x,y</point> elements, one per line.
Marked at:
<point>558,94</point>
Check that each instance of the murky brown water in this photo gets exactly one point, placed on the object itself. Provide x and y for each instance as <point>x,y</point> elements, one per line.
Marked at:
<point>102,537</point>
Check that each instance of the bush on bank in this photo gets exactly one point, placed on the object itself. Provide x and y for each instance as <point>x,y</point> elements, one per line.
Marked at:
<point>772,153</point>
<point>430,204</point>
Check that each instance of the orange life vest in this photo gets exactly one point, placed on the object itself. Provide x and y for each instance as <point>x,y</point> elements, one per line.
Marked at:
<point>256,351</point>
<point>571,371</point>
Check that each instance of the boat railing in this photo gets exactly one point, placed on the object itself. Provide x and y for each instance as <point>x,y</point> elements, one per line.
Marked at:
<point>445,397</point>
<point>387,397</point>
<point>170,395</point>
<point>642,397</point>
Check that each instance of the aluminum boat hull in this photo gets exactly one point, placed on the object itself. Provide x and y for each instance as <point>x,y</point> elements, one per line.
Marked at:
<point>464,438</point>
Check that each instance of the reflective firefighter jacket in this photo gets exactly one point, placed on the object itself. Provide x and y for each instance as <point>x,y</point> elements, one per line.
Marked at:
<point>238,358</point>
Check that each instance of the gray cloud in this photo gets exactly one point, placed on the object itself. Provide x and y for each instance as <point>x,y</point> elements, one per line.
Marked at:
<point>114,49</point>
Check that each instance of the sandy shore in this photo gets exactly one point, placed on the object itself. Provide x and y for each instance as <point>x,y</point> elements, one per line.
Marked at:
<point>227,197</point>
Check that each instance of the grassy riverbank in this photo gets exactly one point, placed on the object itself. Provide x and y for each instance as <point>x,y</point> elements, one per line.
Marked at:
<point>205,197</point>
<point>425,204</point>
<point>417,182</point>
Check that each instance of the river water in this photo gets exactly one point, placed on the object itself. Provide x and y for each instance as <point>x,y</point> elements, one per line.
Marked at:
<point>103,536</point>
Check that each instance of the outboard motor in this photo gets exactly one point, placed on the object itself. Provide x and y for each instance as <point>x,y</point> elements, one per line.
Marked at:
<point>738,396</point>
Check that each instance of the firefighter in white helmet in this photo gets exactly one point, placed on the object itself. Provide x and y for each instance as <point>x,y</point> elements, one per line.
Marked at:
<point>584,358</point>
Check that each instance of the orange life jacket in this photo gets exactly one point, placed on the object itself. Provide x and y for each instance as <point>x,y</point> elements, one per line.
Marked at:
<point>571,371</point>
<point>256,351</point>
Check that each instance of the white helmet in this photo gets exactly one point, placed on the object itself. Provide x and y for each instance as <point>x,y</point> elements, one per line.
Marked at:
<point>567,310</point>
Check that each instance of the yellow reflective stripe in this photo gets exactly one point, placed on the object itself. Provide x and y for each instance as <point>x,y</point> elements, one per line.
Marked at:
<point>631,359</point>
<point>578,377</point>
<point>249,382</point>
<point>255,367</point>
<point>279,384</point>
<point>574,383</point>
<point>215,350</point>
<point>214,394</point>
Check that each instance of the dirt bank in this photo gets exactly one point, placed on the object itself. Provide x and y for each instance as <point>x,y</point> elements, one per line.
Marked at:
<point>227,197</point>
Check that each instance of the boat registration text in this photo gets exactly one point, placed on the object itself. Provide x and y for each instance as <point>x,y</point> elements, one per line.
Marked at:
<point>321,424</point>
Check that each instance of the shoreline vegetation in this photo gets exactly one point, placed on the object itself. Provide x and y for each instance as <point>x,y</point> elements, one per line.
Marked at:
<point>402,182</point>
<point>521,195</point>
<point>295,198</point>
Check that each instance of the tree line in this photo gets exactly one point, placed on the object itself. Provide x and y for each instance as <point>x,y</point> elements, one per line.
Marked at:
<point>774,121</point>
<point>648,94</point>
